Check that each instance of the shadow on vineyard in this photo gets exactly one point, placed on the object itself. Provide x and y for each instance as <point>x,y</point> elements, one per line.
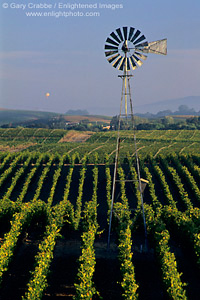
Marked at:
<point>54,213</point>
<point>64,265</point>
<point>15,281</point>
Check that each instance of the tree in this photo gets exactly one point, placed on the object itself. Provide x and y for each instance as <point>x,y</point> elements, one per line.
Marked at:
<point>167,120</point>
<point>185,110</point>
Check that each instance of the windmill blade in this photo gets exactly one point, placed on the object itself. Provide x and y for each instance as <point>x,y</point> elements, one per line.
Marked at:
<point>112,42</point>
<point>143,50</point>
<point>115,37</point>
<point>131,33</point>
<point>135,35</point>
<point>108,53</point>
<point>109,47</point>
<point>120,34</point>
<point>121,66</point>
<point>138,61</point>
<point>111,59</point>
<point>117,61</point>
<point>158,47</point>
<point>133,64</point>
<point>142,38</point>
<point>125,33</point>
<point>126,48</point>
<point>141,46</point>
<point>144,57</point>
<point>128,64</point>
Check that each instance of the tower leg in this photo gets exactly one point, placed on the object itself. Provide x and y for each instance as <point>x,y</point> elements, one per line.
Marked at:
<point>137,164</point>
<point>115,167</point>
<point>126,92</point>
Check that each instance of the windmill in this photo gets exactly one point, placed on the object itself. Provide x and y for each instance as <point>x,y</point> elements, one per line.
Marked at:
<point>126,49</point>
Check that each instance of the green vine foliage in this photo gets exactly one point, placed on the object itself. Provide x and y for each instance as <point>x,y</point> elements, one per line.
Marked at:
<point>85,288</point>
<point>128,284</point>
<point>162,220</point>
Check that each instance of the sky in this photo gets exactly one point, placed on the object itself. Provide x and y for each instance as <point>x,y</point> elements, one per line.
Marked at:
<point>64,55</point>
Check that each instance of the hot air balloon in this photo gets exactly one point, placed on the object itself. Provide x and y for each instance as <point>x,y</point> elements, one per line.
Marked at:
<point>47,95</point>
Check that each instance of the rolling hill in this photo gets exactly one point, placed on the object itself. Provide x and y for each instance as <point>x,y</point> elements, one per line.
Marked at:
<point>8,116</point>
<point>171,104</point>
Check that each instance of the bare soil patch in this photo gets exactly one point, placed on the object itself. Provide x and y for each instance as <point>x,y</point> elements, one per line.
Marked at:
<point>17,148</point>
<point>75,136</point>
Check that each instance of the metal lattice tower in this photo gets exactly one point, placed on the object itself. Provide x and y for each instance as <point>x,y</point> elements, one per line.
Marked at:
<point>125,49</point>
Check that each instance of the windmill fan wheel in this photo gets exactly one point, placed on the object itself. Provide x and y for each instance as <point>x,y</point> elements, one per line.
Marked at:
<point>124,48</point>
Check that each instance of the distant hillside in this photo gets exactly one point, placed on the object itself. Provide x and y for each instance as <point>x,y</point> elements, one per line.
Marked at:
<point>77,112</point>
<point>15,116</point>
<point>38,119</point>
<point>171,104</point>
<point>90,118</point>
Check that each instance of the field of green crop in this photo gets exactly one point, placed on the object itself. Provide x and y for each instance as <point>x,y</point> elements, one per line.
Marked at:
<point>54,213</point>
<point>148,141</point>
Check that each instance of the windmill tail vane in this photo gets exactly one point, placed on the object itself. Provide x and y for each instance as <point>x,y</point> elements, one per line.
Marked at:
<point>157,47</point>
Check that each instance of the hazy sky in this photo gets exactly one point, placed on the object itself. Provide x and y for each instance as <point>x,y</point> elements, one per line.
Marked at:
<point>65,55</point>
